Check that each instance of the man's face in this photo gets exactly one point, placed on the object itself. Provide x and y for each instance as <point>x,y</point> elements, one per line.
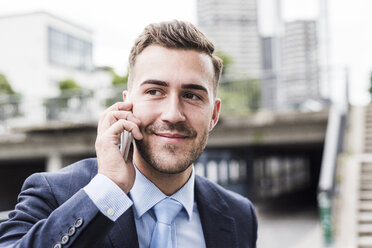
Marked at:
<point>172,95</point>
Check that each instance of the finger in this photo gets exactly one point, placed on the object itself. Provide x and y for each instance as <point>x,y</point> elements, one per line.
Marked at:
<point>126,106</point>
<point>118,127</point>
<point>113,117</point>
<point>125,115</point>
<point>121,106</point>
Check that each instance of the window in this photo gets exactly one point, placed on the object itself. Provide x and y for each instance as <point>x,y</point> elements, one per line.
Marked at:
<point>212,171</point>
<point>69,51</point>
<point>278,175</point>
<point>199,169</point>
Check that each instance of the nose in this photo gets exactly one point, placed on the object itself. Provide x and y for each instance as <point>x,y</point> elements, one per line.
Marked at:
<point>173,110</point>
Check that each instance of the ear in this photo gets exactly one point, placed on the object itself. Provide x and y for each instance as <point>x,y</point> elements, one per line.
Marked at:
<point>215,114</point>
<point>125,95</point>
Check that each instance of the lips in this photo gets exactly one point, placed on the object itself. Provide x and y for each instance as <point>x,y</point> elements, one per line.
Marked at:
<point>171,135</point>
<point>171,130</point>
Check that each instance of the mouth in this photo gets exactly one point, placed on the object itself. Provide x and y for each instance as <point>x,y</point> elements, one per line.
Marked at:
<point>171,138</point>
<point>171,135</point>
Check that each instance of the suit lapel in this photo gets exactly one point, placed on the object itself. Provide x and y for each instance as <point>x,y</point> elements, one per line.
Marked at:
<point>218,227</point>
<point>124,234</point>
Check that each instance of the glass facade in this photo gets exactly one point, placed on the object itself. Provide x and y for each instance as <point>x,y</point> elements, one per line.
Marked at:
<point>69,51</point>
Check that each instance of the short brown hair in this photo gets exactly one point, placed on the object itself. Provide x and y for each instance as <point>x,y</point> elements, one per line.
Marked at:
<point>178,35</point>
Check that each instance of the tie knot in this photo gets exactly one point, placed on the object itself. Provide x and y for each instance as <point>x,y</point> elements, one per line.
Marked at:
<point>166,210</point>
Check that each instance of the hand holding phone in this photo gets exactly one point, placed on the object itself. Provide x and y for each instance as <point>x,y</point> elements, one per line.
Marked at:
<point>111,125</point>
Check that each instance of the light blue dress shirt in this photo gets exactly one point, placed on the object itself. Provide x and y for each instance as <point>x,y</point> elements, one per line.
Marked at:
<point>113,202</point>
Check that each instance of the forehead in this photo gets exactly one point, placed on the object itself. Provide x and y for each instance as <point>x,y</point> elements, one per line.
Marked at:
<point>175,66</point>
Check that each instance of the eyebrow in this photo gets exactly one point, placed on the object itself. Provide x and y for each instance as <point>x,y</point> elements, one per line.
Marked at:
<point>157,82</point>
<point>184,86</point>
<point>194,87</point>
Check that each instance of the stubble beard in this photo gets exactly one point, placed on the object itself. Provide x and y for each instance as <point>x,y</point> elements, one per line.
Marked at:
<point>172,159</point>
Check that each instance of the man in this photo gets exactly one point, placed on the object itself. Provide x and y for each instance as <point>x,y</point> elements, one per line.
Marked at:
<point>170,108</point>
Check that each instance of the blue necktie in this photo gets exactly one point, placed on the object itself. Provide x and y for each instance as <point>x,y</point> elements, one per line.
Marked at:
<point>165,211</point>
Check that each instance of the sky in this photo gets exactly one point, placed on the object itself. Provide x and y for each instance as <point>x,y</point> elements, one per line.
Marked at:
<point>116,23</point>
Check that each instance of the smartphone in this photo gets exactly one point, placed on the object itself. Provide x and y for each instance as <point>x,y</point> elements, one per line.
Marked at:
<point>126,140</point>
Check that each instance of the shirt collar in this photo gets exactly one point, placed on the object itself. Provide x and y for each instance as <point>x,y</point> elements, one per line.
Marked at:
<point>145,194</point>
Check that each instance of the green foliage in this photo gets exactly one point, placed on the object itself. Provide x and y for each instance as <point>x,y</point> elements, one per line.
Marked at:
<point>240,97</point>
<point>69,89</point>
<point>5,87</point>
<point>9,100</point>
<point>68,84</point>
<point>117,79</point>
<point>119,83</point>
<point>226,59</point>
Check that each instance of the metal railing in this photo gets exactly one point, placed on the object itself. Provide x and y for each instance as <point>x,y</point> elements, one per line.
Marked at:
<point>333,145</point>
<point>327,181</point>
<point>9,106</point>
<point>75,106</point>
<point>241,97</point>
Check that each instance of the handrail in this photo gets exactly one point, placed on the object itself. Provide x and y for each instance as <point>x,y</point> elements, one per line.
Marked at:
<point>334,136</point>
<point>327,180</point>
<point>333,145</point>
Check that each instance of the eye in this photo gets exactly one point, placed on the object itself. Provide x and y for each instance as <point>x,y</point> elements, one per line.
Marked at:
<point>154,92</point>
<point>191,96</point>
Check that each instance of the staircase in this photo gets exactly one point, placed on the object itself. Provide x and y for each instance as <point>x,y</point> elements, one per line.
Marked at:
<point>364,238</point>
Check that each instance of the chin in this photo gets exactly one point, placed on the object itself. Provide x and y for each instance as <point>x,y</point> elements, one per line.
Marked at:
<point>169,164</point>
<point>170,170</point>
<point>165,161</point>
<point>170,159</point>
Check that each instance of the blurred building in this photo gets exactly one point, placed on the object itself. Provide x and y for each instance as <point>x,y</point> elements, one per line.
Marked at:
<point>293,78</point>
<point>269,81</point>
<point>39,49</point>
<point>232,26</point>
<point>299,62</point>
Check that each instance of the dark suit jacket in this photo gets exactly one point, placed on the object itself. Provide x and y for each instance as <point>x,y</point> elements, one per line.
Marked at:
<point>54,211</point>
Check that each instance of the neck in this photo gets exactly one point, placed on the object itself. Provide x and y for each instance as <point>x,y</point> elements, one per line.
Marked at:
<point>167,183</point>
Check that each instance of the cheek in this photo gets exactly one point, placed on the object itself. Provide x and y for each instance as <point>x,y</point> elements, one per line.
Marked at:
<point>200,121</point>
<point>143,112</point>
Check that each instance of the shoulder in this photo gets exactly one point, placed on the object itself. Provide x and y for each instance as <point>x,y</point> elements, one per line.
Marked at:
<point>66,181</point>
<point>83,169</point>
